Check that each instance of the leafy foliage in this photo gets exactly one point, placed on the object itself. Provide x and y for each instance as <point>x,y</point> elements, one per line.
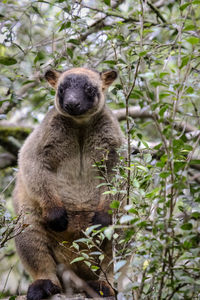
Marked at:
<point>155,190</point>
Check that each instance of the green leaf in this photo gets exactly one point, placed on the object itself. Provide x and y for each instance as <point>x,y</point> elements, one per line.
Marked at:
<point>158,83</point>
<point>80,258</point>
<point>187,147</point>
<point>164,174</point>
<point>85,255</point>
<point>187,226</point>
<point>147,157</point>
<point>126,219</point>
<point>133,211</point>
<point>163,110</point>
<point>76,246</point>
<point>189,27</point>
<point>90,229</point>
<point>110,62</point>
<point>196,2</point>
<point>178,165</point>
<point>157,147</point>
<point>163,74</point>
<point>109,232</point>
<point>196,215</point>
<point>184,61</point>
<point>184,6</point>
<point>95,253</point>
<point>101,257</point>
<point>36,10</point>
<point>164,95</point>
<point>82,240</point>
<point>143,53</point>
<point>7,60</point>
<point>40,56</point>
<point>145,144</point>
<point>103,184</point>
<point>193,40</point>
<point>65,26</point>
<point>70,52</point>
<point>114,204</point>
<point>74,41</point>
<point>94,268</point>
<point>107,2</point>
<point>177,145</point>
<point>109,192</point>
<point>136,183</point>
<point>190,90</point>
<point>142,168</point>
<point>154,192</point>
<point>195,162</point>
<point>135,95</point>
<point>142,224</point>
<point>87,263</point>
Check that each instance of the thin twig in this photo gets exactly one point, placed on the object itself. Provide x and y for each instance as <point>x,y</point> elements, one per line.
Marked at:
<point>4,287</point>
<point>156,10</point>
<point>128,130</point>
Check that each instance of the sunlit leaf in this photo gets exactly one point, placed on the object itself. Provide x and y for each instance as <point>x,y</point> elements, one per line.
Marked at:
<point>126,219</point>
<point>109,232</point>
<point>80,258</point>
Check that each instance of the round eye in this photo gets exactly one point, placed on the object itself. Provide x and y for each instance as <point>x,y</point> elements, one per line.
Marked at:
<point>90,91</point>
<point>61,91</point>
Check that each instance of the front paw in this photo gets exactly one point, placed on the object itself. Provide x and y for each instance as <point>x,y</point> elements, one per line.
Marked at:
<point>102,218</point>
<point>56,219</point>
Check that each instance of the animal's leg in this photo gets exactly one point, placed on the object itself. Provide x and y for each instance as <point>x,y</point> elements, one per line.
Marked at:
<point>34,249</point>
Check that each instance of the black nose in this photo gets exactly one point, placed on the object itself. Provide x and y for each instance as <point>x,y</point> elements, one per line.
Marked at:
<point>72,107</point>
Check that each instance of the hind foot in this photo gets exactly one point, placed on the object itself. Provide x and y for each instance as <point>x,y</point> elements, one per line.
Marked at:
<point>42,289</point>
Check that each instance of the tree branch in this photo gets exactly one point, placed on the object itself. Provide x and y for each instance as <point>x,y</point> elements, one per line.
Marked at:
<point>10,137</point>
<point>117,15</point>
<point>157,12</point>
<point>136,112</point>
<point>7,160</point>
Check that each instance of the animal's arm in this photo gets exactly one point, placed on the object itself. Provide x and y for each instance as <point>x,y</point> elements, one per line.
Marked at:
<point>38,169</point>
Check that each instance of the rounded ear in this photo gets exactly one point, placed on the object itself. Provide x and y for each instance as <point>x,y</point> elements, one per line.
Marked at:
<point>108,77</point>
<point>52,77</point>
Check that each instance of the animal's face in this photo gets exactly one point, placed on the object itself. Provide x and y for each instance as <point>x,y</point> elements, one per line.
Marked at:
<point>77,94</point>
<point>80,91</point>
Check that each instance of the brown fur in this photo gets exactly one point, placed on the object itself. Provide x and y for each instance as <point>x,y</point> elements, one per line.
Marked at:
<point>56,175</point>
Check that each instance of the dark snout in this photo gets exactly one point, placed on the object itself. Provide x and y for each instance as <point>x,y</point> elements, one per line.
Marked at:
<point>71,103</point>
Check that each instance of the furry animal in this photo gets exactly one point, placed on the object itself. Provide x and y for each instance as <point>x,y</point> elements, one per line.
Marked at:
<point>56,190</point>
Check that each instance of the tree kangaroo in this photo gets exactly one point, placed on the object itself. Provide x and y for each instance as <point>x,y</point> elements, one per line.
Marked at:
<point>56,190</point>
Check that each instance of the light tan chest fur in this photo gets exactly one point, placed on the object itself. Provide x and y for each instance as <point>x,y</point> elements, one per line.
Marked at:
<point>77,183</point>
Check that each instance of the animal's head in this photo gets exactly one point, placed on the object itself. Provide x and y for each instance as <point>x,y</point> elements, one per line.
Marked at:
<point>80,91</point>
